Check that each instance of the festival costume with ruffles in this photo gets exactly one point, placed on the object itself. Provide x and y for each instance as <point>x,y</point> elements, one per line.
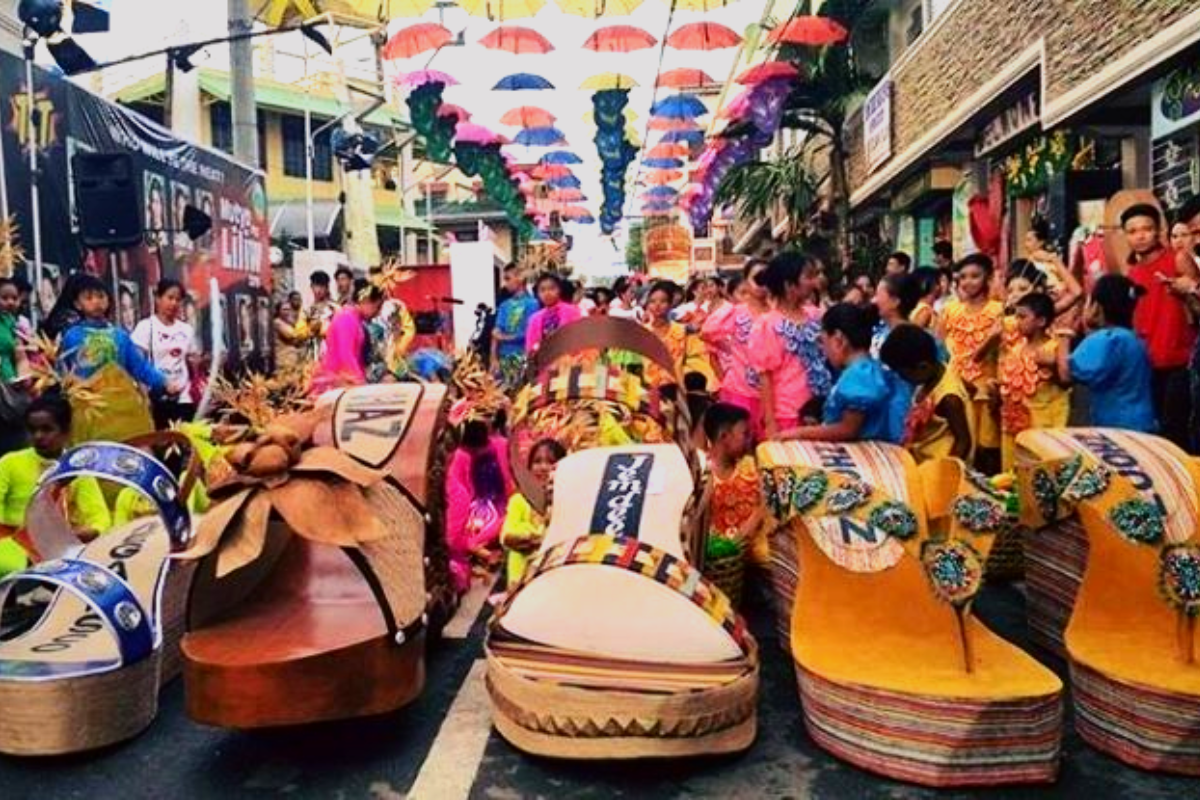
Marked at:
<point>1030,397</point>
<point>967,328</point>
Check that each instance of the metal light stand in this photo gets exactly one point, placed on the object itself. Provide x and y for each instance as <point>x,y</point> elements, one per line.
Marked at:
<point>35,196</point>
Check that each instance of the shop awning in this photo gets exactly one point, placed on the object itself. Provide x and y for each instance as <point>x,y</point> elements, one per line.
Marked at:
<point>290,220</point>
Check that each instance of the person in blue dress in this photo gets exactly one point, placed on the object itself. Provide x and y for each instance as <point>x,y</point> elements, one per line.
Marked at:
<point>512,321</point>
<point>869,402</point>
<point>1111,361</point>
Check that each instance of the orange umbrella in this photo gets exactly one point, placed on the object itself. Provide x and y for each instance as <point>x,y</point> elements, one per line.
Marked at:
<point>661,177</point>
<point>810,31</point>
<point>416,39</point>
<point>664,124</point>
<point>546,171</point>
<point>567,196</point>
<point>516,39</point>
<point>667,150</point>
<point>684,78</point>
<point>574,212</point>
<point>528,117</point>
<point>703,36</point>
<point>619,39</point>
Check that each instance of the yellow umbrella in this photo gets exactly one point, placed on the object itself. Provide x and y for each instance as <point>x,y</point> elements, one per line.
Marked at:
<point>598,8</point>
<point>501,10</point>
<point>701,5</point>
<point>279,12</point>
<point>590,116</point>
<point>608,80</point>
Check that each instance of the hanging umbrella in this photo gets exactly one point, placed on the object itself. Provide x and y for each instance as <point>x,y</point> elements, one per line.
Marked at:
<point>459,113</point>
<point>685,78</point>
<point>661,177</point>
<point>548,171</point>
<point>574,212</point>
<point>768,70</point>
<point>811,31</point>
<point>501,10</point>
<point>660,192</point>
<point>594,9</point>
<point>540,137</point>
<point>698,5</point>
<point>657,205</point>
<point>679,106</point>
<point>703,36</point>
<point>412,80</point>
<point>416,39</point>
<point>476,134</point>
<point>522,80</point>
<point>663,163</point>
<point>689,138</point>
<point>518,40</point>
<point>606,81</point>
<point>364,12</point>
<point>565,182</point>
<point>586,219</point>
<point>528,117</point>
<point>619,39</point>
<point>567,196</point>
<point>561,157</point>
<point>667,124</point>
<point>667,150</point>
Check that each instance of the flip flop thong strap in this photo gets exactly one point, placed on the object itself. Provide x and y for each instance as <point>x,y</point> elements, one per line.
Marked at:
<point>632,555</point>
<point>180,441</point>
<point>50,528</point>
<point>105,592</point>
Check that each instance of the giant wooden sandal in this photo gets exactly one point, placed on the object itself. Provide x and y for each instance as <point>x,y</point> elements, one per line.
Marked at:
<point>326,558</point>
<point>613,645</point>
<point>895,674</point>
<point>87,674</point>
<point>1131,587</point>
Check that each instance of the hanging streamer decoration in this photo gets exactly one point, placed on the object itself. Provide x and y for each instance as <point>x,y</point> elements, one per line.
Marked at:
<point>616,153</point>
<point>424,104</point>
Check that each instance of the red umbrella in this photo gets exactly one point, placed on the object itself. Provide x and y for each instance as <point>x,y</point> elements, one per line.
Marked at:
<point>528,117</point>
<point>667,150</point>
<point>459,113</point>
<point>703,36</point>
<point>619,39</point>
<point>416,39</point>
<point>811,31</point>
<point>664,124</point>
<point>567,195</point>
<point>767,71</point>
<point>661,177</point>
<point>545,171</point>
<point>574,212</point>
<point>684,78</point>
<point>516,39</point>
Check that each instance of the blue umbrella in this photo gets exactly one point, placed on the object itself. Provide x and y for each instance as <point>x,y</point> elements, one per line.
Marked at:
<point>679,106</point>
<point>588,220</point>
<point>663,163</point>
<point>657,205</point>
<point>661,192</point>
<point>561,157</point>
<point>687,137</point>
<point>522,80</point>
<point>539,137</point>
<point>565,182</point>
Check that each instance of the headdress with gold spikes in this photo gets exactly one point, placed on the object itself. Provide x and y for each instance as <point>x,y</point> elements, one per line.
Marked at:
<point>390,274</point>
<point>481,397</point>
<point>254,400</point>
<point>11,253</point>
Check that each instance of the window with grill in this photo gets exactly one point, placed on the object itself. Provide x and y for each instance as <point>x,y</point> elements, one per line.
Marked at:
<point>295,153</point>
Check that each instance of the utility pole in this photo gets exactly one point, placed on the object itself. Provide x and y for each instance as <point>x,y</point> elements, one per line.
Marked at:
<point>241,57</point>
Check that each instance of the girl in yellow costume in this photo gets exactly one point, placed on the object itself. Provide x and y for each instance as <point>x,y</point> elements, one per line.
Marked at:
<point>1030,395</point>
<point>688,352</point>
<point>966,325</point>
<point>939,422</point>
<point>524,527</point>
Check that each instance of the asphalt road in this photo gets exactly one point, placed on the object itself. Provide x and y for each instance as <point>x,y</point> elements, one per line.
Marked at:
<point>442,747</point>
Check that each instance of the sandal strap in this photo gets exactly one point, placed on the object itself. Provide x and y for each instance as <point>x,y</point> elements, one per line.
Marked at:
<point>105,592</point>
<point>174,439</point>
<point>602,333</point>
<point>633,555</point>
<point>48,524</point>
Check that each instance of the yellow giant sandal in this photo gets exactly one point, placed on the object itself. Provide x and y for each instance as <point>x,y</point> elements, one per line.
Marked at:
<point>895,674</point>
<point>612,645</point>
<point>1131,639</point>
<point>89,671</point>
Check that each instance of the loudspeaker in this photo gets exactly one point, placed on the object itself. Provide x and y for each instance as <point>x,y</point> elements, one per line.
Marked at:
<point>108,200</point>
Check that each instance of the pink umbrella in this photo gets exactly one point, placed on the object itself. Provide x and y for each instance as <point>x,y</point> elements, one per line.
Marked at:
<point>459,113</point>
<point>766,71</point>
<point>477,134</point>
<point>421,77</point>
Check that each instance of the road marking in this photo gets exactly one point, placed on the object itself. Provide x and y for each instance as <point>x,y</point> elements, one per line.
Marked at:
<point>453,762</point>
<point>468,610</point>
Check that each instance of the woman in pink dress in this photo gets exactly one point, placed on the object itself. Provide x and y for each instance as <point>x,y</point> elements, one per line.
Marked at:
<point>785,345</point>
<point>727,333</point>
<point>478,485</point>
<point>344,362</point>
<point>556,313</point>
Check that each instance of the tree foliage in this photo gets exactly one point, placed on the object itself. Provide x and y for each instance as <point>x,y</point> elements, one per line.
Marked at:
<point>635,254</point>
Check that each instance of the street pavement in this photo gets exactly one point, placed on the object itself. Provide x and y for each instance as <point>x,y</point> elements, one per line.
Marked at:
<point>442,747</point>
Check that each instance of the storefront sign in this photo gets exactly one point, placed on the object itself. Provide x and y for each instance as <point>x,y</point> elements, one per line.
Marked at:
<point>877,124</point>
<point>1175,102</point>
<point>1008,124</point>
<point>1175,164</point>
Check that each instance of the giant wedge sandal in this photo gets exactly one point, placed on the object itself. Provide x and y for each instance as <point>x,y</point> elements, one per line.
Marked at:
<point>323,564</point>
<point>895,674</point>
<point>613,646</point>
<point>1116,551</point>
<point>88,672</point>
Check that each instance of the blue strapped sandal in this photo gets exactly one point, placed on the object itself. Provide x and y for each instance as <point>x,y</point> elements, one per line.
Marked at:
<point>88,672</point>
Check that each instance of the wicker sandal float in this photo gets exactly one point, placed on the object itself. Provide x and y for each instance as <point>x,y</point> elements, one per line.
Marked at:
<point>1119,557</point>
<point>896,676</point>
<point>325,549</point>
<point>613,646</point>
<point>88,673</point>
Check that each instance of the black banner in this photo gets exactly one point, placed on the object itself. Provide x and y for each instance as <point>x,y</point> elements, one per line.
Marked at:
<point>172,174</point>
<point>618,509</point>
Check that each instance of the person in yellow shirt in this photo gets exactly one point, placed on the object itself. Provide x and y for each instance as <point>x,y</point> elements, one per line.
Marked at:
<point>524,527</point>
<point>687,350</point>
<point>48,421</point>
<point>939,424</point>
<point>736,509</point>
